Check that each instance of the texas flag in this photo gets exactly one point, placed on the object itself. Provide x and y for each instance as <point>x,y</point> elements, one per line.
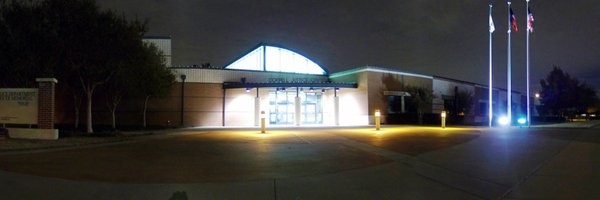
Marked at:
<point>492,27</point>
<point>513,21</point>
<point>530,20</point>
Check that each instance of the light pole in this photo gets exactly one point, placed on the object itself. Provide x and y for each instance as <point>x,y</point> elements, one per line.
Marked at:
<point>509,80</point>
<point>182,96</point>
<point>491,30</point>
<point>528,31</point>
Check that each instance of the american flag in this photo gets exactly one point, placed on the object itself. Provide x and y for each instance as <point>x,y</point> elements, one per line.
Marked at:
<point>529,20</point>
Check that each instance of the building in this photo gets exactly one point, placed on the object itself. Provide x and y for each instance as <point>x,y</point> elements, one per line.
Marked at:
<point>163,43</point>
<point>293,90</point>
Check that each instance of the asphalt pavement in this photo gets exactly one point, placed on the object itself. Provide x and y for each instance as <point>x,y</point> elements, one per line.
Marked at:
<point>345,163</point>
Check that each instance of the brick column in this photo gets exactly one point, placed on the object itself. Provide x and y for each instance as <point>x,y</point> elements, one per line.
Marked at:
<point>46,102</point>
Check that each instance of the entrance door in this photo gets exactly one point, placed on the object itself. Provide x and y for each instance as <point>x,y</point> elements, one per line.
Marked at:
<point>312,108</point>
<point>282,110</point>
<point>281,107</point>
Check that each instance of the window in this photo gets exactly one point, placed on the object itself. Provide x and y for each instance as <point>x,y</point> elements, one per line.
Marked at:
<point>276,59</point>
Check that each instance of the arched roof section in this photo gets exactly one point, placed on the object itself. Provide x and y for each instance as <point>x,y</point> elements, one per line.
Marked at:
<point>276,59</point>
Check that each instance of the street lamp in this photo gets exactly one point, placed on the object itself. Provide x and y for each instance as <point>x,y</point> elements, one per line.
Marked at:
<point>182,96</point>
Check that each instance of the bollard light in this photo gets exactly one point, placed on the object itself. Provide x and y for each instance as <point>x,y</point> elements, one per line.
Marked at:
<point>262,122</point>
<point>377,120</point>
<point>443,119</point>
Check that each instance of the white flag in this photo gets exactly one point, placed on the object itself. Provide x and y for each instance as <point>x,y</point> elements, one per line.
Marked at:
<point>492,27</point>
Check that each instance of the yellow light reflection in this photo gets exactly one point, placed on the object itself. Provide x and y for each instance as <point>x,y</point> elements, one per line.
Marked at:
<point>409,130</point>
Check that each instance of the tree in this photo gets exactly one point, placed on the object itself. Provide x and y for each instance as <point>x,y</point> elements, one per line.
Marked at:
<point>101,51</point>
<point>73,88</point>
<point>464,102</point>
<point>562,94</point>
<point>130,76</point>
<point>144,75</point>
<point>32,45</point>
<point>73,40</point>
<point>586,98</point>
<point>421,97</point>
<point>29,47</point>
<point>120,84</point>
<point>154,80</point>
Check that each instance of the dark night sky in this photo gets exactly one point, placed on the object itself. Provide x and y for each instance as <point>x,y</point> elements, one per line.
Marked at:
<point>445,38</point>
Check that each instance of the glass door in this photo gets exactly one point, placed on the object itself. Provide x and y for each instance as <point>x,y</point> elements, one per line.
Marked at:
<point>282,110</point>
<point>312,108</point>
<point>281,107</point>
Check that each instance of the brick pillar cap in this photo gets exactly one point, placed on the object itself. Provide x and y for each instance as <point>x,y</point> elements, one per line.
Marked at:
<point>46,80</point>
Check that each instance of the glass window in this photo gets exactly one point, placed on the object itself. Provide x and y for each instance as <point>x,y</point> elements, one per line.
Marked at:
<point>276,59</point>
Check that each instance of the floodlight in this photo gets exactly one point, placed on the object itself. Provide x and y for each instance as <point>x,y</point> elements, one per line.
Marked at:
<point>522,121</point>
<point>503,121</point>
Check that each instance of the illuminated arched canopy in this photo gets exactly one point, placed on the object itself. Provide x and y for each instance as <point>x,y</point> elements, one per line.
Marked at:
<point>277,60</point>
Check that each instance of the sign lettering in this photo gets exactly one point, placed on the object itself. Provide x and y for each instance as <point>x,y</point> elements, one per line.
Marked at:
<point>18,105</point>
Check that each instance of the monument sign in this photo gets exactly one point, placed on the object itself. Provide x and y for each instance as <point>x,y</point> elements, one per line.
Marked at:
<point>18,105</point>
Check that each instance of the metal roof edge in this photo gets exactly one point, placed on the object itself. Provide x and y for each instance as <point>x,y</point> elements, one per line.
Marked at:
<point>165,37</point>
<point>377,69</point>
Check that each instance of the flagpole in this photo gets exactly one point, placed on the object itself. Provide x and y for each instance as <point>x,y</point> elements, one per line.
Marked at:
<point>490,115</point>
<point>509,89</point>
<point>528,31</point>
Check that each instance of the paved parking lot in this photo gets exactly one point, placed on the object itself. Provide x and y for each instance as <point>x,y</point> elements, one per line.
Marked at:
<point>233,155</point>
<point>318,163</point>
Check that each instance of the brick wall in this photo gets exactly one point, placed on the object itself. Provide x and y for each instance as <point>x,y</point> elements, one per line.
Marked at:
<point>46,102</point>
